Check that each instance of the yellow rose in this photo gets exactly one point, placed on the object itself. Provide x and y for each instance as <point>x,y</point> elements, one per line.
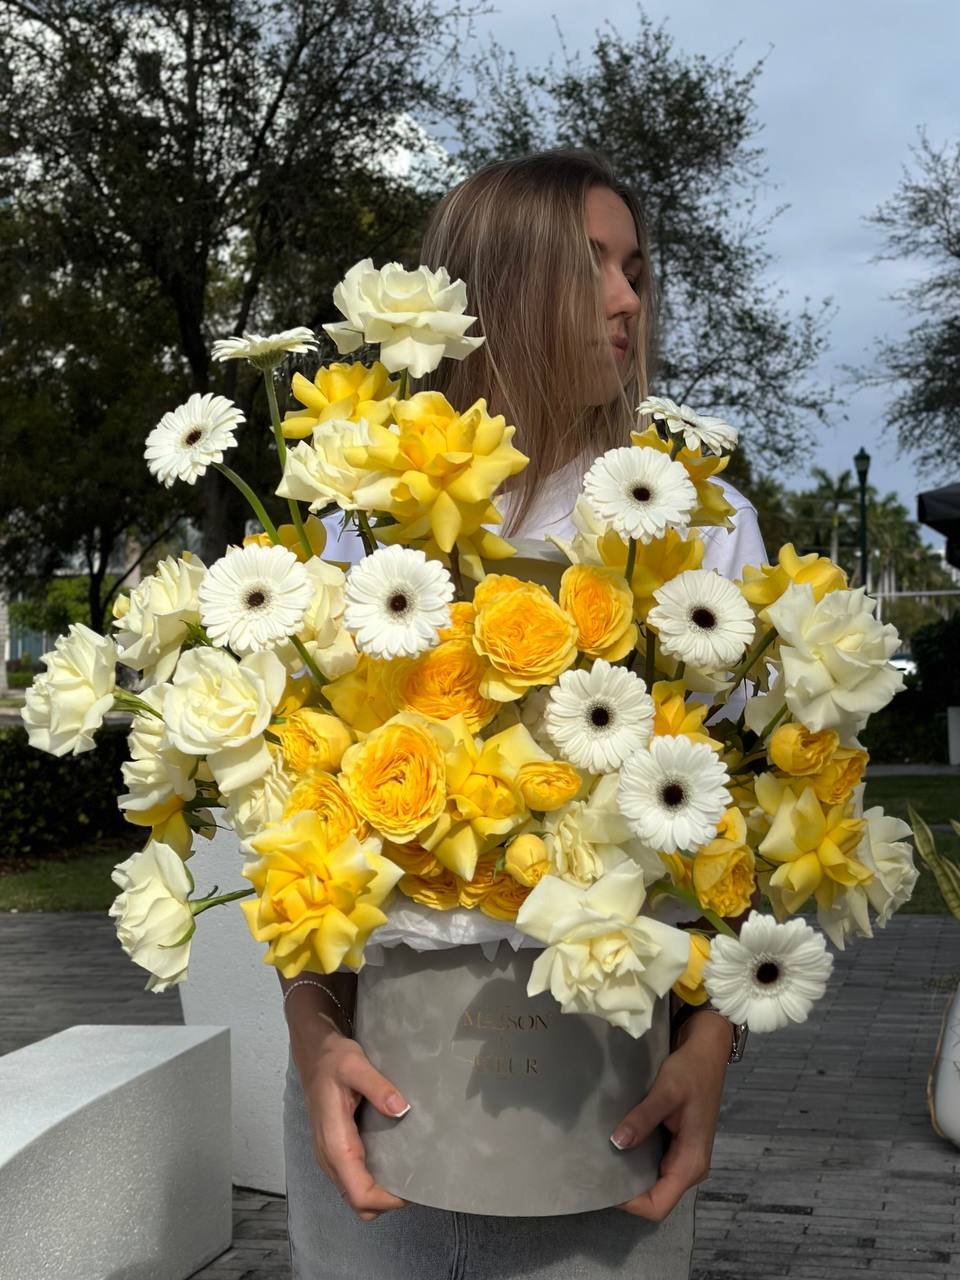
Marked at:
<point>680,869</point>
<point>601,604</point>
<point>485,877</point>
<point>689,986</point>
<point>765,585</point>
<point>340,392</point>
<point>362,697</point>
<point>317,904</point>
<point>439,893</point>
<point>674,717</point>
<point>415,860</point>
<point>444,682</point>
<point>657,562</point>
<point>312,739</point>
<point>712,507</point>
<point>797,751</point>
<point>320,793</point>
<point>548,784</point>
<point>505,899</point>
<point>462,614</point>
<point>524,634</point>
<point>527,860</point>
<point>396,778</point>
<point>290,538</point>
<point>723,877</point>
<point>836,780</point>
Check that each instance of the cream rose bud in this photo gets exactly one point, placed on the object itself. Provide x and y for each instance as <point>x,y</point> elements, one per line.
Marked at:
<point>151,623</point>
<point>601,956</point>
<point>834,657</point>
<point>65,705</point>
<point>219,707</point>
<point>154,921</point>
<point>417,317</point>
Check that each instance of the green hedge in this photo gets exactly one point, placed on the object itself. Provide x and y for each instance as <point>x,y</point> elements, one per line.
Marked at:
<point>936,649</point>
<point>907,731</point>
<point>50,804</point>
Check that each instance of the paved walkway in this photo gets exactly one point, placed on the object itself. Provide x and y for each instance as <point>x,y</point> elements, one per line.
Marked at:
<point>825,1166</point>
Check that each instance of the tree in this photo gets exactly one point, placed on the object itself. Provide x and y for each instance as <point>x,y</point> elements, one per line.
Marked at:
<point>922,370</point>
<point>680,130</point>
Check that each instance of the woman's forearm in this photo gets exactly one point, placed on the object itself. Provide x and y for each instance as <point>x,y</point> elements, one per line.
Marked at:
<point>308,1001</point>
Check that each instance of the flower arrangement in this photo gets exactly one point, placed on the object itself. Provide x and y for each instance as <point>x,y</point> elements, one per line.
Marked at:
<point>428,727</point>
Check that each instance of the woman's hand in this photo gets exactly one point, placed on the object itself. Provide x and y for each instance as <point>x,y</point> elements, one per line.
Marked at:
<point>686,1098</point>
<point>335,1075</point>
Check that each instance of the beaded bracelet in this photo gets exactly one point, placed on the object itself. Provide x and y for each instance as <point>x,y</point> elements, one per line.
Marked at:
<point>312,982</point>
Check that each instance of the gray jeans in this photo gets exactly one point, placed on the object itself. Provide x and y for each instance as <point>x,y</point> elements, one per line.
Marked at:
<point>329,1242</point>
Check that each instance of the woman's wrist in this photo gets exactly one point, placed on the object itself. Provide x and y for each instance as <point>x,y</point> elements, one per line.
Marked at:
<point>708,1028</point>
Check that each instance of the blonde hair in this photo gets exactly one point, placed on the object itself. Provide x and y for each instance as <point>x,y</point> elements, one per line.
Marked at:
<point>514,232</point>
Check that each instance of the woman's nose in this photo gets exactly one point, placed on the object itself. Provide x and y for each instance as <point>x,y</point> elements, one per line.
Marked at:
<point>621,298</point>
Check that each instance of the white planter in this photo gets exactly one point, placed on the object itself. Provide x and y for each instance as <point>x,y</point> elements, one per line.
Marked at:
<point>229,985</point>
<point>943,1086</point>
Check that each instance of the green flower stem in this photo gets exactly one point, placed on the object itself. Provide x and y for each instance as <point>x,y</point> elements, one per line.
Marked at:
<point>674,891</point>
<point>676,446</point>
<point>124,701</point>
<point>367,536</point>
<point>251,497</point>
<point>456,573</point>
<point>204,904</point>
<point>311,666</point>
<point>631,562</point>
<point>749,661</point>
<point>293,505</point>
<point>772,723</point>
<point>649,666</point>
<point>403,391</point>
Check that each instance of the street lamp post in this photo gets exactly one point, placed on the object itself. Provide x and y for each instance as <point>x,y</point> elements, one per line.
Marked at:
<point>861,461</point>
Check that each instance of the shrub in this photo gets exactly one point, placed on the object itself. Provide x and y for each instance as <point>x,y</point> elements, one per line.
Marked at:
<point>50,804</point>
<point>907,731</point>
<point>935,650</point>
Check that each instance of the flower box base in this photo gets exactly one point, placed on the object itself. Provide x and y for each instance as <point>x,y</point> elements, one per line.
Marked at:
<point>512,1101</point>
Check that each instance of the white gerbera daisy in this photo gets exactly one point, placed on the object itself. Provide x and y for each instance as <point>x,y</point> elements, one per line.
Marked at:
<point>770,975</point>
<point>397,602</point>
<point>254,597</point>
<point>599,717</point>
<point>186,441</point>
<point>697,429</point>
<point>265,352</point>
<point>673,793</point>
<point>702,618</point>
<point>640,492</point>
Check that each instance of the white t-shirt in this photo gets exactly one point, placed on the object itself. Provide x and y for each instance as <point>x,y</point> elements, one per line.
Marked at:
<point>727,551</point>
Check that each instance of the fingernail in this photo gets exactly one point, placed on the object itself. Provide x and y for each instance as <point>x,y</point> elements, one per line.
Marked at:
<point>621,1138</point>
<point>397,1106</point>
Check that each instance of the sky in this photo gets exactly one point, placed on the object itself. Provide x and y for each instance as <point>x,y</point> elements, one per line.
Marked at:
<point>845,85</point>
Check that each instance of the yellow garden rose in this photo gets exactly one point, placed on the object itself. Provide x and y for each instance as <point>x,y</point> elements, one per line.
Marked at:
<point>797,751</point>
<point>689,986</point>
<point>601,604</point>
<point>312,739</point>
<point>444,682</point>
<point>462,614</point>
<point>318,792</point>
<point>548,784</point>
<point>723,876</point>
<point>657,562</point>
<point>415,860</point>
<point>527,860</point>
<point>439,893</point>
<point>340,392</point>
<point>290,538</point>
<point>680,869</point>
<point>712,507</point>
<point>485,877</point>
<point>523,633</point>
<point>362,697</point>
<point>317,904</point>
<point>765,585</point>
<point>838,777</point>
<point>396,778</point>
<point>505,899</point>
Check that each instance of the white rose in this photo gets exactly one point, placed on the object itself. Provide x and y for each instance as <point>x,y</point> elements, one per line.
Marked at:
<point>326,639</point>
<point>152,621</point>
<point>585,839</point>
<point>218,708</point>
<point>249,809</point>
<point>601,956</point>
<point>416,316</point>
<point>319,472</point>
<point>835,657</point>
<point>65,705</point>
<point>154,919</point>
<point>886,849</point>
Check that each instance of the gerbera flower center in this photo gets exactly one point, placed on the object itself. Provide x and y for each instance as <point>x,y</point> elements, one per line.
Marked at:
<point>398,603</point>
<point>640,493</point>
<point>192,437</point>
<point>256,598</point>
<point>767,972</point>
<point>600,715</point>
<point>703,618</point>
<point>672,795</point>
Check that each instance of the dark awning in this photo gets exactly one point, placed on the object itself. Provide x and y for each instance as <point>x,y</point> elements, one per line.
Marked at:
<point>940,509</point>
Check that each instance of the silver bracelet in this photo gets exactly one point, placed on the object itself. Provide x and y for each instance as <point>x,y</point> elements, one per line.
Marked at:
<point>313,982</point>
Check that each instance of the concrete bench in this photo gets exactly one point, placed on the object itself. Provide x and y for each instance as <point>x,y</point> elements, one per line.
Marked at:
<point>115,1154</point>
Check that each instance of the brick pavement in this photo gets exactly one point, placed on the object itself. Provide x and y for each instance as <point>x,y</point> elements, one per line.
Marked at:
<point>825,1166</point>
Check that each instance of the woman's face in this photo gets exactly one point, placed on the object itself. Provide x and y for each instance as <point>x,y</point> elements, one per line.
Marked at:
<point>613,237</point>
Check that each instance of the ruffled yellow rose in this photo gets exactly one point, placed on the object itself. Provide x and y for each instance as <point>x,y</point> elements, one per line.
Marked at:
<point>363,696</point>
<point>439,893</point>
<point>317,905</point>
<point>524,635</point>
<point>601,604</point>
<point>414,860</point>
<point>396,778</point>
<point>319,793</point>
<point>340,392</point>
<point>527,860</point>
<point>842,772</point>
<point>505,899</point>
<point>689,986</point>
<point>712,507</point>
<point>797,751</point>
<point>444,682</point>
<point>312,739</point>
<point>290,538</point>
<point>436,474</point>
<point>674,717</point>
<point>723,876</point>
<point>485,877</point>
<point>548,784</point>
<point>462,614</point>
<point>764,585</point>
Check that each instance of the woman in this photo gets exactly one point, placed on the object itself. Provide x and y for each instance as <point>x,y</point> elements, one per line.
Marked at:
<point>554,256</point>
